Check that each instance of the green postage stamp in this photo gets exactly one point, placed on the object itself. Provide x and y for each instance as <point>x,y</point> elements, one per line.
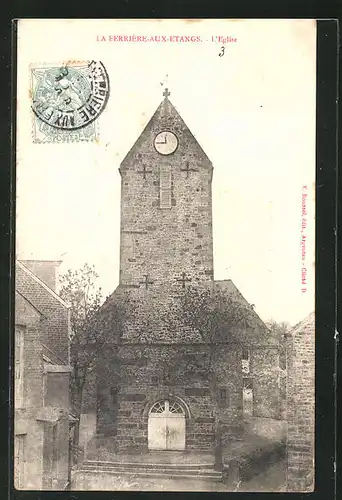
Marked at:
<point>67,99</point>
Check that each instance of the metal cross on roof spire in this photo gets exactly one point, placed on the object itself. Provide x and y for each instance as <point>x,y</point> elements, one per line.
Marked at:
<point>166,93</point>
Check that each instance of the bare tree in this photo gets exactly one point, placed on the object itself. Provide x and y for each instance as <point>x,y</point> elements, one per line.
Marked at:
<point>281,333</point>
<point>95,327</point>
<point>279,330</point>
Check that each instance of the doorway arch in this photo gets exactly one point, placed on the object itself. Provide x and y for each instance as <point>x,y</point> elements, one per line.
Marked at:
<point>166,426</point>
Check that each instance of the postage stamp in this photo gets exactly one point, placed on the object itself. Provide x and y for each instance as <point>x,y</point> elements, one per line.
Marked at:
<point>67,100</point>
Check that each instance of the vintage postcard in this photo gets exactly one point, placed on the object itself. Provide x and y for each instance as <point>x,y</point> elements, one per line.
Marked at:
<point>165,266</point>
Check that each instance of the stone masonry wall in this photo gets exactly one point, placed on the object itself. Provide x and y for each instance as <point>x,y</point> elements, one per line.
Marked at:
<point>301,407</point>
<point>57,390</point>
<point>44,320</point>
<point>145,381</point>
<point>55,477</point>
<point>145,327</point>
<point>266,381</point>
<point>157,242</point>
<point>25,422</point>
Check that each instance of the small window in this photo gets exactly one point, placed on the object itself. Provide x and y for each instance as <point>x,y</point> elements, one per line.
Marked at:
<point>223,396</point>
<point>165,186</point>
<point>245,361</point>
<point>245,354</point>
<point>282,359</point>
<point>114,394</point>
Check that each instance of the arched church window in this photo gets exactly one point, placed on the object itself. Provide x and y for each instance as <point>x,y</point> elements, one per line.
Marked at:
<point>158,407</point>
<point>175,407</point>
<point>167,407</point>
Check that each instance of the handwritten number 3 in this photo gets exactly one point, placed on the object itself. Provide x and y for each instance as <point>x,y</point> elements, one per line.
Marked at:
<point>222,52</point>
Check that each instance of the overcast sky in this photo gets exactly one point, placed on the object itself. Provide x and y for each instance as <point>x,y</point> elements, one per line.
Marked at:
<point>252,111</point>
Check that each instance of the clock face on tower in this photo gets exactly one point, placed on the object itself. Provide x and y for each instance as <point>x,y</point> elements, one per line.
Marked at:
<point>166,142</point>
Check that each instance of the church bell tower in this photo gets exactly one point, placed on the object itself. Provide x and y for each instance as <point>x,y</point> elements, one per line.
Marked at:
<point>166,206</point>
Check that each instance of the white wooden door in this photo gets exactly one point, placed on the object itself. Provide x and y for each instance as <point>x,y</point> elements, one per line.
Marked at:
<point>156,433</point>
<point>166,426</point>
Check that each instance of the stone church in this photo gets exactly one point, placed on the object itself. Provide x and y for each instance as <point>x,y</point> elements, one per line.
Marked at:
<point>166,245</point>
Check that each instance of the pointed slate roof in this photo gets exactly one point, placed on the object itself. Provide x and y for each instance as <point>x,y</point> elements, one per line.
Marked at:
<point>146,324</point>
<point>261,332</point>
<point>166,117</point>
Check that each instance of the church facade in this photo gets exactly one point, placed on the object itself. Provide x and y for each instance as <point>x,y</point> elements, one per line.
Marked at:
<point>166,245</point>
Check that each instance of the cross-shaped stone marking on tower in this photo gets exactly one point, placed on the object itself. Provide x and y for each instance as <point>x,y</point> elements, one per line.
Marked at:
<point>188,169</point>
<point>183,279</point>
<point>144,171</point>
<point>166,93</point>
<point>146,282</point>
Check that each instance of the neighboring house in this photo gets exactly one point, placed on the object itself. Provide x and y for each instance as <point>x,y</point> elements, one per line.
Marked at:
<point>166,243</point>
<point>42,420</point>
<point>301,406</point>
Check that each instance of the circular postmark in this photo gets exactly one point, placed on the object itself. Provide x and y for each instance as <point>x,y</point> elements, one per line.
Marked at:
<point>70,97</point>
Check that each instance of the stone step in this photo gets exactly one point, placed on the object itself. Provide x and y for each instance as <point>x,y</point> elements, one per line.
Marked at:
<point>165,470</point>
<point>144,469</point>
<point>144,465</point>
<point>171,474</point>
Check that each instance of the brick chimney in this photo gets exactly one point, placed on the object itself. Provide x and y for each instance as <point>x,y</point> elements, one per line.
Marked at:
<point>46,270</point>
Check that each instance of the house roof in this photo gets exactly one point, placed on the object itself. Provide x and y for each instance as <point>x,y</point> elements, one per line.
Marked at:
<point>42,284</point>
<point>231,289</point>
<point>153,330</point>
<point>49,306</point>
<point>306,325</point>
<point>30,303</point>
